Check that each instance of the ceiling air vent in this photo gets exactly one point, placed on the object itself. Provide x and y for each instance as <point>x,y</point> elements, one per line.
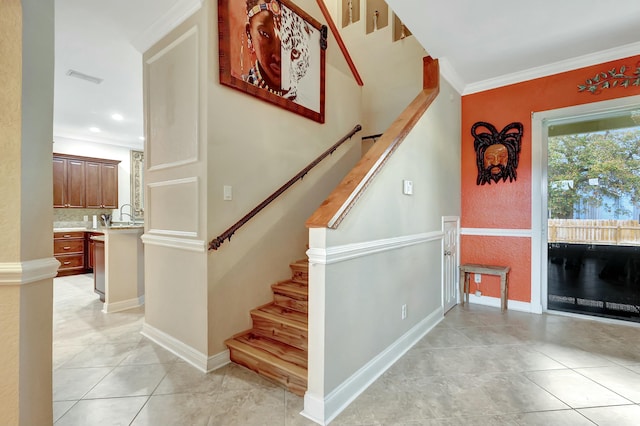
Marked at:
<point>77,74</point>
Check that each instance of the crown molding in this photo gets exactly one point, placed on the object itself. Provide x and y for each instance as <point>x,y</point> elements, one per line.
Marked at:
<point>178,13</point>
<point>449,73</point>
<point>554,68</point>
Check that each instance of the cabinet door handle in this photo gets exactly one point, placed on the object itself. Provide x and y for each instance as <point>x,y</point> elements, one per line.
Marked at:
<point>66,248</point>
<point>67,263</point>
<point>67,236</point>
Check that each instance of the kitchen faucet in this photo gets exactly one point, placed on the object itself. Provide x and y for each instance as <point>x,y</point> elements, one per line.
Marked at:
<point>131,218</point>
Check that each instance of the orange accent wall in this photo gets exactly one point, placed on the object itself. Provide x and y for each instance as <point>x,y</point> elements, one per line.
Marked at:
<point>507,205</point>
<point>503,251</point>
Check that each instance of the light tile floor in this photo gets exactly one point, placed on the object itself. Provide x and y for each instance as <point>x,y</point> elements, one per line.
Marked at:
<point>477,367</point>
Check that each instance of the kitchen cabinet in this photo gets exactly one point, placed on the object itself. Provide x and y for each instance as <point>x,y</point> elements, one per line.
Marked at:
<point>98,266</point>
<point>84,182</point>
<point>68,182</point>
<point>102,185</point>
<point>91,249</point>
<point>69,250</point>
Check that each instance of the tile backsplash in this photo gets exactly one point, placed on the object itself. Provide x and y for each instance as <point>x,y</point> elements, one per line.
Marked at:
<point>75,217</point>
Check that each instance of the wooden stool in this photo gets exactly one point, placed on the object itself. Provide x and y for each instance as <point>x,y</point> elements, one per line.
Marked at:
<point>469,268</point>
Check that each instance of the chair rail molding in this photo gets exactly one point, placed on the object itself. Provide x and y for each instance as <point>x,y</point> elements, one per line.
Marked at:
<point>329,255</point>
<point>29,271</point>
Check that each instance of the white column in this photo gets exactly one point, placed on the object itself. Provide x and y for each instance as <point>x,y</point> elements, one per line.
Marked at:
<point>26,215</point>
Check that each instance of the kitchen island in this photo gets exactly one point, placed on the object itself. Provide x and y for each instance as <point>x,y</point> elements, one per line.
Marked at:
<point>118,270</point>
<point>123,268</point>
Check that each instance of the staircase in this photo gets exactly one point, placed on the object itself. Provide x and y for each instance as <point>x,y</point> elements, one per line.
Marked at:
<point>276,346</point>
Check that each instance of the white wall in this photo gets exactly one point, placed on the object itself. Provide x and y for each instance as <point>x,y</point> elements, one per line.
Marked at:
<point>175,78</point>
<point>391,71</point>
<point>219,136</point>
<point>256,147</point>
<point>387,252</point>
<point>62,145</point>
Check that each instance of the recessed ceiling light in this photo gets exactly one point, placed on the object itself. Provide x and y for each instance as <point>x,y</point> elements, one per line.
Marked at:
<point>94,129</point>
<point>117,117</point>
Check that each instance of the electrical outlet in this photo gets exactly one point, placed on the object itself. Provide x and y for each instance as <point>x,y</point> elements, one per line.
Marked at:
<point>404,311</point>
<point>478,277</point>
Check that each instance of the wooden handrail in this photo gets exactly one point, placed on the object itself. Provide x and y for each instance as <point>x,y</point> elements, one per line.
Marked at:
<point>226,235</point>
<point>341,45</point>
<point>345,195</point>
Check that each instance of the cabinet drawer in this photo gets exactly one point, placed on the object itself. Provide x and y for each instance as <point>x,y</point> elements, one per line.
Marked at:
<point>71,261</point>
<point>68,235</point>
<point>70,246</point>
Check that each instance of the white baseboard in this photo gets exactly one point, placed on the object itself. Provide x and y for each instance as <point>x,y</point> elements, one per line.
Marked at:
<point>514,305</point>
<point>218,360</point>
<point>176,347</point>
<point>123,305</point>
<point>184,351</point>
<point>324,410</point>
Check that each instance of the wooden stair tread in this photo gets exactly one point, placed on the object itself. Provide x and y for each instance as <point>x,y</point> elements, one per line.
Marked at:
<point>292,295</point>
<point>289,374</point>
<point>300,270</point>
<point>275,348</point>
<point>279,314</point>
<point>292,289</point>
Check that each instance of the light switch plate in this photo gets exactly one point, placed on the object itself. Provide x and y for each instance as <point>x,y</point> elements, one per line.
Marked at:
<point>407,187</point>
<point>227,193</point>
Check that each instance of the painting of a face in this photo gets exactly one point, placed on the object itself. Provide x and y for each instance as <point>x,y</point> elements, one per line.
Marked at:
<point>495,159</point>
<point>265,39</point>
<point>496,152</point>
<point>274,51</point>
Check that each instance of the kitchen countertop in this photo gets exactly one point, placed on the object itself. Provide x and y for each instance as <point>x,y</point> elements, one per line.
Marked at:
<point>102,229</point>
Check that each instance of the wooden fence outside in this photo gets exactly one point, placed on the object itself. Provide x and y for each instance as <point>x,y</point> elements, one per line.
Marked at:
<point>591,231</point>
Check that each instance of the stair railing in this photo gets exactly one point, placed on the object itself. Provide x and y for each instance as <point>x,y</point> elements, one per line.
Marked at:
<point>334,209</point>
<point>226,235</point>
<point>374,137</point>
<point>339,41</point>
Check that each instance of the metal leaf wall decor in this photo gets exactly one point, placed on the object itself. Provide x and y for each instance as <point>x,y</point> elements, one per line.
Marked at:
<point>611,78</point>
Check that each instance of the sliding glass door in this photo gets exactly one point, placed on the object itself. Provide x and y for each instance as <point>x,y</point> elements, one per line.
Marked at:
<point>593,212</point>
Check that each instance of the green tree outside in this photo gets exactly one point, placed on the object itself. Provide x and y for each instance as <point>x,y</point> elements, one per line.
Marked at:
<point>593,170</point>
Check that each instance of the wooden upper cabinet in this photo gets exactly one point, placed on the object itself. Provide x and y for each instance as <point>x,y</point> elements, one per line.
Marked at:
<point>85,182</point>
<point>59,182</point>
<point>68,182</point>
<point>109,181</point>
<point>102,185</point>
<point>94,197</point>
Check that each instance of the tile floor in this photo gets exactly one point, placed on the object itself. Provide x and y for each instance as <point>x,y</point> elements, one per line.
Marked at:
<point>477,367</point>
